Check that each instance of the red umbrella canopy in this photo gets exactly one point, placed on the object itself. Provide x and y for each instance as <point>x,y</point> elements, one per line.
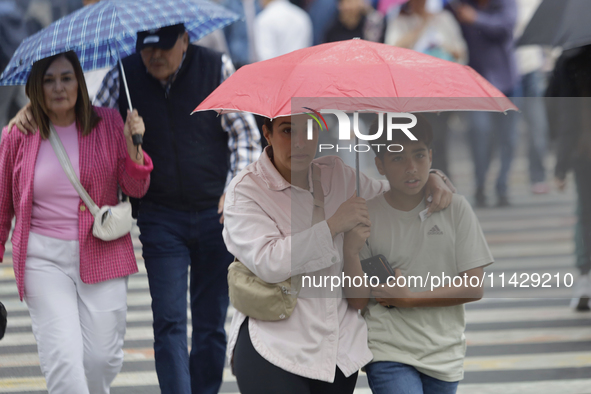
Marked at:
<point>356,69</point>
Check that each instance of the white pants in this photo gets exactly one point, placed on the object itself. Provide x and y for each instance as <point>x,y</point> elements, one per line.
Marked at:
<point>79,327</point>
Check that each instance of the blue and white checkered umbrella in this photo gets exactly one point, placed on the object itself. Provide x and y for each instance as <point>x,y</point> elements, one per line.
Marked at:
<point>98,32</point>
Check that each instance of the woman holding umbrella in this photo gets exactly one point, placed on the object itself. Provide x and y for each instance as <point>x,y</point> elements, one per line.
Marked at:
<point>271,204</point>
<point>268,213</point>
<point>73,283</point>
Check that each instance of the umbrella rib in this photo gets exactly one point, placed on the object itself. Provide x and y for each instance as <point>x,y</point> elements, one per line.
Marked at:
<point>388,67</point>
<point>293,67</point>
<point>123,23</point>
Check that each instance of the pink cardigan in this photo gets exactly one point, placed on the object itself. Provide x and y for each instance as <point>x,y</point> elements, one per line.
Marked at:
<point>104,164</point>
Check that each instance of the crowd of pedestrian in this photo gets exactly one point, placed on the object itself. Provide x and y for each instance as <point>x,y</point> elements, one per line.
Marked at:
<point>205,193</point>
<point>478,33</point>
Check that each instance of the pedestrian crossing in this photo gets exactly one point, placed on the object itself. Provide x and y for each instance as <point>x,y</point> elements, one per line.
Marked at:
<point>519,341</point>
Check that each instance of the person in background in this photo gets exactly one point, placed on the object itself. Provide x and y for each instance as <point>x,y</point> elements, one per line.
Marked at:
<point>75,285</point>
<point>281,27</point>
<point>13,30</point>
<point>487,26</point>
<point>434,31</point>
<point>322,13</point>
<point>237,34</point>
<point>240,34</point>
<point>38,14</point>
<point>570,84</point>
<point>530,62</point>
<point>356,19</point>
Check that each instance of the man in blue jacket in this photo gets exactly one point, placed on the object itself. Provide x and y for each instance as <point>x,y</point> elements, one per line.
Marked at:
<point>195,157</point>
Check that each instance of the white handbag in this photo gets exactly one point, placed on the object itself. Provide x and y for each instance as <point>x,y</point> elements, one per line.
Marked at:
<point>110,222</point>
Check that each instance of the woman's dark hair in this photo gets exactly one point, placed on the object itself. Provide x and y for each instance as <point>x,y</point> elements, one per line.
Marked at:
<point>86,117</point>
<point>269,124</point>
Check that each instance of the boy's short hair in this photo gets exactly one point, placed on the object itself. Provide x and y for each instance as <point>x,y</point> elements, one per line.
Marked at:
<point>422,131</point>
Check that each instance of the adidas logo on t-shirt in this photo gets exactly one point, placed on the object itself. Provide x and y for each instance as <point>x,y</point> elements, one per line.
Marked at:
<point>435,231</point>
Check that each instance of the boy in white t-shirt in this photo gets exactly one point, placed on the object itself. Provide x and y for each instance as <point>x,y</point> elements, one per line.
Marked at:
<point>416,332</point>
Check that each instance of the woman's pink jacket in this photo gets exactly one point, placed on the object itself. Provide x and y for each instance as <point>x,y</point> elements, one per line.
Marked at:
<point>104,164</point>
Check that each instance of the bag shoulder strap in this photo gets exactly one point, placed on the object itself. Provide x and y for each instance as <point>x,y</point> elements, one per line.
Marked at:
<point>318,194</point>
<point>62,156</point>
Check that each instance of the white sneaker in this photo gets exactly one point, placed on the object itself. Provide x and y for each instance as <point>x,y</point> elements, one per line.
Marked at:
<point>581,294</point>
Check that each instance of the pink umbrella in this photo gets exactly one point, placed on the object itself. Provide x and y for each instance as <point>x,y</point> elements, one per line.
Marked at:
<point>355,75</point>
<point>379,77</point>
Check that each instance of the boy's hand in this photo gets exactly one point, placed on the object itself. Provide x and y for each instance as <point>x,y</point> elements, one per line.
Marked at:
<point>393,296</point>
<point>351,213</point>
<point>437,194</point>
<point>355,238</point>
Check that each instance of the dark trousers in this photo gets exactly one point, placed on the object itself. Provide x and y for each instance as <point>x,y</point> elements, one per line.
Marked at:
<point>582,169</point>
<point>255,375</point>
<point>439,124</point>
<point>172,242</point>
<point>485,126</point>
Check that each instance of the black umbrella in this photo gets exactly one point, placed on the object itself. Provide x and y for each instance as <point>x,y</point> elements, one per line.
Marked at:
<point>563,23</point>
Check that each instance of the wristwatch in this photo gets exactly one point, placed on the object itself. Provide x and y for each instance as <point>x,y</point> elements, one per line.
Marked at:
<point>437,172</point>
<point>445,179</point>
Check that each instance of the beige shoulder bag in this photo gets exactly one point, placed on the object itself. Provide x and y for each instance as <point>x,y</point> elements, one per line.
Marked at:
<point>110,222</point>
<point>260,300</point>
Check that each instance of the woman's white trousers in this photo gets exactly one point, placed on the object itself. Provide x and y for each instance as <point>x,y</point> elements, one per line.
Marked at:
<point>79,327</point>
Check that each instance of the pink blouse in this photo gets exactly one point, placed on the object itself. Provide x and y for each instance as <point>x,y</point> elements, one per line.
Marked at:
<point>55,201</point>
